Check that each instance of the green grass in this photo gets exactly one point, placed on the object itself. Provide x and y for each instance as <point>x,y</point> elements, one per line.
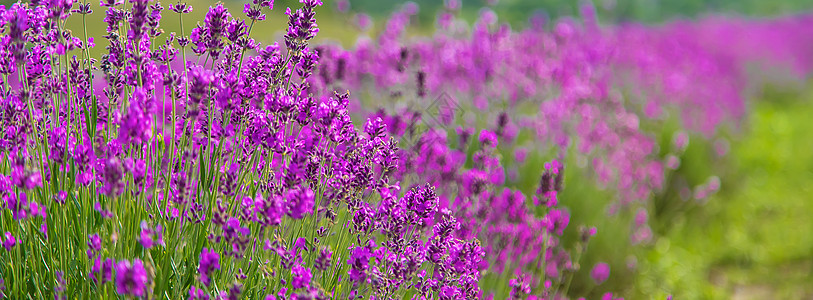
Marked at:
<point>753,239</point>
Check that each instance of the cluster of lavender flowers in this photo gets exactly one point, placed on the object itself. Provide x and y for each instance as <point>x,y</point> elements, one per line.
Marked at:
<point>206,165</point>
<point>203,166</point>
<point>524,257</point>
<point>578,86</point>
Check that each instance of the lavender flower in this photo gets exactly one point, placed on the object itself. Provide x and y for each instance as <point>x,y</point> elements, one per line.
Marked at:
<point>197,294</point>
<point>9,241</point>
<point>149,236</point>
<point>300,202</point>
<point>322,262</point>
<point>94,245</point>
<point>131,279</point>
<point>269,211</point>
<point>600,272</point>
<point>209,261</point>
<point>102,270</point>
<point>301,276</point>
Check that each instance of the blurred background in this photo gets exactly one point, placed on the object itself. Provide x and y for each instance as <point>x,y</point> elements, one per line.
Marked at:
<point>517,12</point>
<point>751,240</point>
<point>514,12</point>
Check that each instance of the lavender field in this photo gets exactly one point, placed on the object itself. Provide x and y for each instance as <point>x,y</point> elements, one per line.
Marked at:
<point>314,150</point>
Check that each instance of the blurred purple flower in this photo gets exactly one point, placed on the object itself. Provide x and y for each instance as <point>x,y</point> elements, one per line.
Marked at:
<point>600,273</point>
<point>131,279</point>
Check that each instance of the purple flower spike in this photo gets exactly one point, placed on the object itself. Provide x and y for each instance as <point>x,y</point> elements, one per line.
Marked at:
<point>300,202</point>
<point>197,294</point>
<point>103,269</point>
<point>209,261</point>
<point>131,279</point>
<point>301,276</point>
<point>9,242</point>
<point>600,272</point>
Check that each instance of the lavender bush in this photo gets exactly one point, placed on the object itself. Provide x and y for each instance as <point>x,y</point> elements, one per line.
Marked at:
<point>578,86</point>
<point>225,178</point>
<point>206,165</point>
